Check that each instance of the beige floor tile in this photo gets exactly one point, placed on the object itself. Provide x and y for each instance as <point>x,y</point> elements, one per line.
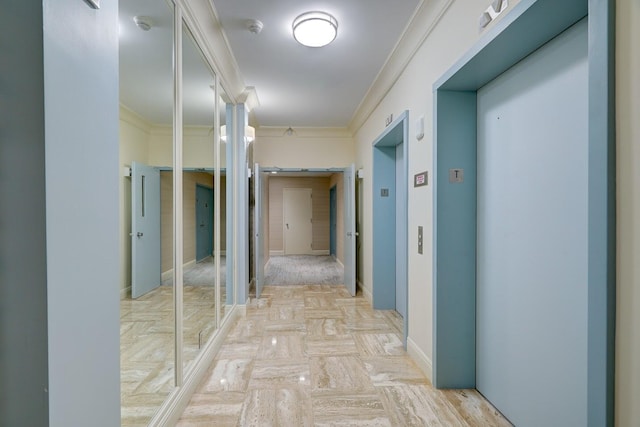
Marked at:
<point>331,345</point>
<point>379,344</point>
<point>352,409</point>
<point>393,370</point>
<point>279,373</point>
<point>305,367</point>
<point>282,347</point>
<point>339,373</point>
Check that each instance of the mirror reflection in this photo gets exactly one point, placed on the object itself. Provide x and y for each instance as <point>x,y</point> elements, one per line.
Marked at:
<point>199,274</point>
<point>225,112</point>
<point>147,338</point>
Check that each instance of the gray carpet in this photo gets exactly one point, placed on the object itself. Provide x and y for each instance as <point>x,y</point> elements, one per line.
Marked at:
<point>203,273</point>
<point>303,270</point>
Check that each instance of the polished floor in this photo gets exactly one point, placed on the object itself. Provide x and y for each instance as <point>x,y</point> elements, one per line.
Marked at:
<point>315,356</point>
<point>147,340</point>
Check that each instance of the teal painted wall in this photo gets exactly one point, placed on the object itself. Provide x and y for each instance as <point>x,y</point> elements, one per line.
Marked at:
<point>23,258</point>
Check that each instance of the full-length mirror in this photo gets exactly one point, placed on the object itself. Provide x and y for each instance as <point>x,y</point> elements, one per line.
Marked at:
<point>225,113</point>
<point>147,337</point>
<point>199,159</point>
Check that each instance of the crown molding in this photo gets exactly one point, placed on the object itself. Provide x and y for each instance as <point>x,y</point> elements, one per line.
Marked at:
<point>135,119</point>
<point>202,19</point>
<point>303,132</point>
<point>424,20</point>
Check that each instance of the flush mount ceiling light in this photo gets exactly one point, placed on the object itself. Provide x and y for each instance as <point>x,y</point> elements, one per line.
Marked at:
<point>315,29</point>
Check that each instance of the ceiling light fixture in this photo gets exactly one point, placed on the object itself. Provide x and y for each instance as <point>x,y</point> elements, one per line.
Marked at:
<point>315,29</point>
<point>249,134</point>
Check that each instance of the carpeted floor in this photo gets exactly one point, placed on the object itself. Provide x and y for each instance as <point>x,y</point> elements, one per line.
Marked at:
<point>303,270</point>
<point>203,273</point>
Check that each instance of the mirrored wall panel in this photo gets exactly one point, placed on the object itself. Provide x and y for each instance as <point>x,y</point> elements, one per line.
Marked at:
<point>199,161</point>
<point>147,338</point>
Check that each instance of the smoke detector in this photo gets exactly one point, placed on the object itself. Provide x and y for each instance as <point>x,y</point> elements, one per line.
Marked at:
<point>143,22</point>
<point>254,25</point>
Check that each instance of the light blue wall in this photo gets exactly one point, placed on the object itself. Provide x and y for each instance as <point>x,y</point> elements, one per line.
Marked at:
<point>384,229</point>
<point>390,218</point>
<point>241,201</point>
<point>81,152</point>
<point>230,223</point>
<point>532,236</point>
<point>23,258</point>
<point>527,27</point>
<point>401,229</point>
<point>455,242</point>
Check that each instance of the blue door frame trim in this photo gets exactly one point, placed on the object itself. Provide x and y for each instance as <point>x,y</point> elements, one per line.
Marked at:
<point>528,26</point>
<point>384,235</point>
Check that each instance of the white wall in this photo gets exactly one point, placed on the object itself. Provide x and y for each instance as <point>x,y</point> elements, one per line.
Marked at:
<point>306,148</point>
<point>197,147</point>
<point>449,39</point>
<point>627,392</point>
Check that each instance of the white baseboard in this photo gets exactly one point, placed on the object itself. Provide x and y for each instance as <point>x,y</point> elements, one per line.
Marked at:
<point>125,292</point>
<point>169,273</point>
<point>173,407</point>
<point>320,252</point>
<point>342,265</point>
<point>276,253</point>
<point>366,293</point>
<point>421,359</point>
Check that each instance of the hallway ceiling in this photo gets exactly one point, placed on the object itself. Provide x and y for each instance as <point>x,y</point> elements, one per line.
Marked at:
<point>301,86</point>
<point>297,86</point>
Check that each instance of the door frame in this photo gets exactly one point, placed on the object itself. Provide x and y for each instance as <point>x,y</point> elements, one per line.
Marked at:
<point>387,242</point>
<point>351,220</point>
<point>333,219</point>
<point>514,37</point>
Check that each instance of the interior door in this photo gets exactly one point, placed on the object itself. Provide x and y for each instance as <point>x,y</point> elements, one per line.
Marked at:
<point>204,222</point>
<point>350,229</point>
<point>298,229</point>
<point>145,229</point>
<point>258,238</point>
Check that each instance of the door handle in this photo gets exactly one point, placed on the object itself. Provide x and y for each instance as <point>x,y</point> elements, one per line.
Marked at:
<point>139,234</point>
<point>287,226</point>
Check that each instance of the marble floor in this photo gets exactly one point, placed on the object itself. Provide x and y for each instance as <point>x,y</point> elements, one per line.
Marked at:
<point>147,343</point>
<point>314,356</point>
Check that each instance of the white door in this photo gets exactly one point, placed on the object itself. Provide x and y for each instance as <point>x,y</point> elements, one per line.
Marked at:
<point>258,228</point>
<point>297,223</point>
<point>145,229</point>
<point>350,229</point>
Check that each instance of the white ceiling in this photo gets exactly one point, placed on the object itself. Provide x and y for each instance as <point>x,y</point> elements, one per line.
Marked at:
<point>297,86</point>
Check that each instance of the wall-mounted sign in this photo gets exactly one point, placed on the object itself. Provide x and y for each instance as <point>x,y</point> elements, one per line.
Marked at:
<point>456,176</point>
<point>421,179</point>
<point>93,3</point>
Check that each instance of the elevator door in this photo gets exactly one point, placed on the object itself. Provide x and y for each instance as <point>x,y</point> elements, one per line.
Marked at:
<point>532,236</point>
